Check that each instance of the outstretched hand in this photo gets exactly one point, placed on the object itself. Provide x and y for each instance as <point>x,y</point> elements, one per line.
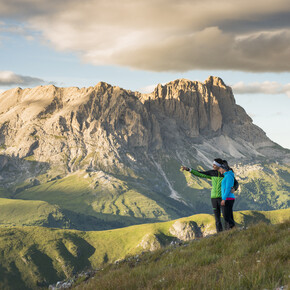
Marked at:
<point>184,168</point>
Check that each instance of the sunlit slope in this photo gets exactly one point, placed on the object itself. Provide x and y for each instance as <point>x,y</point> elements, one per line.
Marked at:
<point>39,256</point>
<point>105,197</point>
<point>257,258</point>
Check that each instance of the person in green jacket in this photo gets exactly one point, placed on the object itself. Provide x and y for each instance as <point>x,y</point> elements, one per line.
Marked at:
<point>216,197</point>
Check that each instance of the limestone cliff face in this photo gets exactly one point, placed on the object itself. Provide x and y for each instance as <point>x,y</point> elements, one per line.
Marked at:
<point>206,109</point>
<point>101,126</point>
<point>191,103</point>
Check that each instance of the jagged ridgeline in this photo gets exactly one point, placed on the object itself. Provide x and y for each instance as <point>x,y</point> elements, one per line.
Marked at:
<point>104,157</point>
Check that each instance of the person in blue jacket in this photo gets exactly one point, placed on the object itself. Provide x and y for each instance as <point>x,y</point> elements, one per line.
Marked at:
<point>228,198</point>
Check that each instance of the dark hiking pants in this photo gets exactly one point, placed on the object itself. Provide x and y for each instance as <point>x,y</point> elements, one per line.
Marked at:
<point>228,214</point>
<point>216,205</point>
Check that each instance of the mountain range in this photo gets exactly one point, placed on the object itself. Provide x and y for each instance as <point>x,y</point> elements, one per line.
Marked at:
<point>104,157</point>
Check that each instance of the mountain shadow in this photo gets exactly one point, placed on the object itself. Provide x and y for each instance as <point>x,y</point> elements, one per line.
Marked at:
<point>18,174</point>
<point>254,217</point>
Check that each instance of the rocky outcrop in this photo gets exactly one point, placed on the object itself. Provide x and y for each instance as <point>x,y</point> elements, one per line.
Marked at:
<point>150,243</point>
<point>185,231</point>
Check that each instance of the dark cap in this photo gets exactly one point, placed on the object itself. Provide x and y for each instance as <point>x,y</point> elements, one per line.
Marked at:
<point>225,165</point>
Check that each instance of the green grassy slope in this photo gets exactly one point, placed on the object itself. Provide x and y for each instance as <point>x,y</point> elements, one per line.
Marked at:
<point>15,212</point>
<point>257,258</point>
<point>95,200</point>
<point>32,256</point>
<point>267,187</point>
<point>102,200</point>
<point>99,196</point>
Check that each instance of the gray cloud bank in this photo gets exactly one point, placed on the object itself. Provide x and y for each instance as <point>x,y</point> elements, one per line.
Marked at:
<point>8,78</point>
<point>270,88</point>
<point>164,35</point>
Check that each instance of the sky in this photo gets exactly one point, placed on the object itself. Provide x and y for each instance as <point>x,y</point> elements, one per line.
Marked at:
<point>136,44</point>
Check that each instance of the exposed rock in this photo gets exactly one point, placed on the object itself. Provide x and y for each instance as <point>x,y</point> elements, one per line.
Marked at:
<point>150,243</point>
<point>185,231</point>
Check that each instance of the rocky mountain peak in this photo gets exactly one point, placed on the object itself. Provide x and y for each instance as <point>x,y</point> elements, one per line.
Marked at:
<point>102,86</point>
<point>63,125</point>
<point>215,81</point>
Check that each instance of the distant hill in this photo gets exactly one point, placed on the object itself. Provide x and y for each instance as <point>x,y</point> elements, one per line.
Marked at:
<point>33,257</point>
<point>107,157</point>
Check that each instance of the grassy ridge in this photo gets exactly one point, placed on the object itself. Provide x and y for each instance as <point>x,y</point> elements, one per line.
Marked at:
<point>257,258</point>
<point>15,212</point>
<point>33,256</point>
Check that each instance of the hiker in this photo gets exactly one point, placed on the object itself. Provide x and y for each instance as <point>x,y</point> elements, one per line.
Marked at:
<point>228,197</point>
<point>216,178</point>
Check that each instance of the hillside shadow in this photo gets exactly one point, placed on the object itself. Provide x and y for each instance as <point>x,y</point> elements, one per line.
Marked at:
<point>196,228</point>
<point>46,272</point>
<point>11,277</point>
<point>76,253</point>
<point>73,255</point>
<point>102,221</point>
<point>15,170</point>
<point>253,218</point>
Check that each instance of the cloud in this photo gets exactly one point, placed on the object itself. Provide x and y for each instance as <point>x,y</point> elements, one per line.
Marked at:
<point>270,88</point>
<point>164,35</point>
<point>12,29</point>
<point>148,89</point>
<point>8,78</point>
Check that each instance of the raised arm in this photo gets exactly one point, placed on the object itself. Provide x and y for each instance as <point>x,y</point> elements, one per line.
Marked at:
<point>196,173</point>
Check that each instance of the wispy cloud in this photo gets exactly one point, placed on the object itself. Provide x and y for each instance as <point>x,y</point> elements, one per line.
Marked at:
<point>147,89</point>
<point>164,35</point>
<point>16,28</point>
<point>270,88</point>
<point>9,78</point>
